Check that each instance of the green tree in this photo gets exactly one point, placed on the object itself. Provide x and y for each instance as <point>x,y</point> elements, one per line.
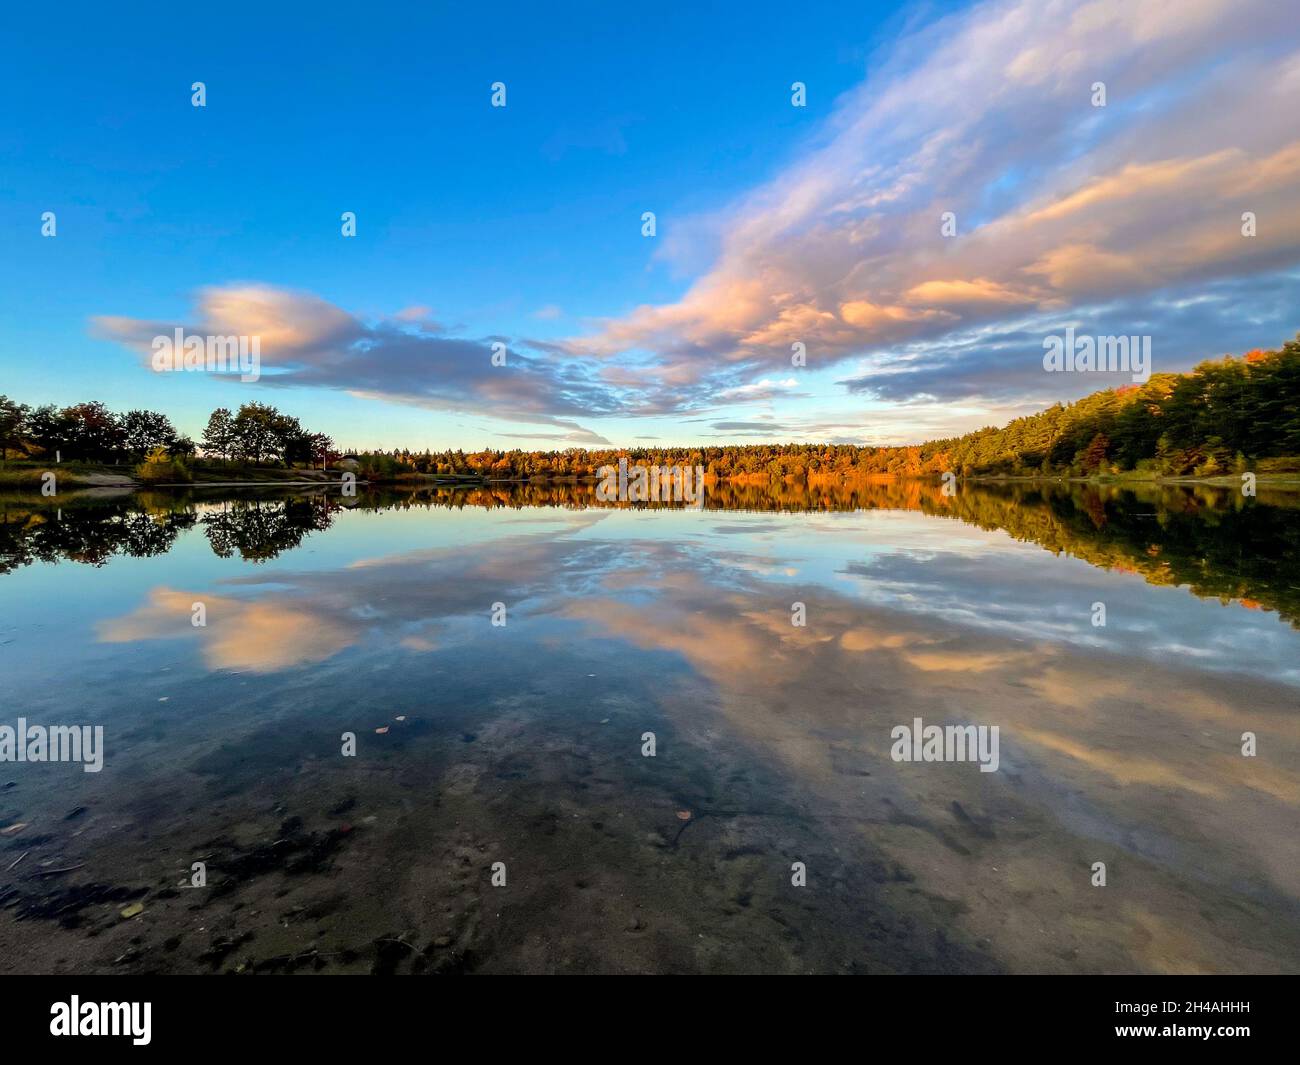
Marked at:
<point>144,431</point>
<point>13,421</point>
<point>256,432</point>
<point>219,436</point>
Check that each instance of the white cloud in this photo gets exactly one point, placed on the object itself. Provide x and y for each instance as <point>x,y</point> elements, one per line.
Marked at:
<point>988,114</point>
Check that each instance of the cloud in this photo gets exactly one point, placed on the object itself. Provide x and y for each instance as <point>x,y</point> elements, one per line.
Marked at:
<point>740,426</point>
<point>1059,204</point>
<point>579,437</point>
<point>759,390</point>
<point>849,431</point>
<point>307,342</point>
<point>259,636</point>
<point>1003,361</point>
<point>413,314</point>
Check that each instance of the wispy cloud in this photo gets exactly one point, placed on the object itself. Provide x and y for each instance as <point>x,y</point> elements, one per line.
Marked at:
<point>307,342</point>
<point>1058,204</point>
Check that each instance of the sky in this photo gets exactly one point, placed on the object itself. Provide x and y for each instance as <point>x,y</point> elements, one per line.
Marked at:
<point>777,228</point>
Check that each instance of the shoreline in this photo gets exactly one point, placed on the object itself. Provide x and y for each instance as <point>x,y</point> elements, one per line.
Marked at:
<point>30,478</point>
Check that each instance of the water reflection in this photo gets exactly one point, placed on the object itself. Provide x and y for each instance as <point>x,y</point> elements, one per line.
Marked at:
<point>1210,540</point>
<point>38,532</point>
<point>92,529</point>
<point>260,530</point>
<point>522,743</point>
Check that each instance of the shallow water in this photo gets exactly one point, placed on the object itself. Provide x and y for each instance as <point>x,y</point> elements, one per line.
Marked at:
<point>522,743</point>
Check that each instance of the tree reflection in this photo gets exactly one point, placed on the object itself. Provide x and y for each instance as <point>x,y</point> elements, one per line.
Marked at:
<point>260,529</point>
<point>90,535</point>
<point>93,532</point>
<point>1211,540</point>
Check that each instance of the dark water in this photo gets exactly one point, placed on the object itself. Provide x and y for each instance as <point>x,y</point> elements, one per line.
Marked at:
<point>522,743</point>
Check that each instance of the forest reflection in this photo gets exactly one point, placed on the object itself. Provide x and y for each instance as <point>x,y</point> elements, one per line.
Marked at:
<point>1212,540</point>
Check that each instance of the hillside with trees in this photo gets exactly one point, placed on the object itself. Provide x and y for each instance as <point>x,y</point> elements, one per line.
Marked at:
<point>1220,418</point>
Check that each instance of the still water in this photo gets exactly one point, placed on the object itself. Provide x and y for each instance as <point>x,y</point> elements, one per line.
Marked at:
<point>501,812</point>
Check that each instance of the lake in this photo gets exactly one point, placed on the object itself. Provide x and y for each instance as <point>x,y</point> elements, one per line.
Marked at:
<point>653,738</point>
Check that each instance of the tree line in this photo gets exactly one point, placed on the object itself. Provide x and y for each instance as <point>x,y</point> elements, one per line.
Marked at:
<point>90,432</point>
<point>1222,417</point>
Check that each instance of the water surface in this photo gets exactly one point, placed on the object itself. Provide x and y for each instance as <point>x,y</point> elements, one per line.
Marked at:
<point>521,743</point>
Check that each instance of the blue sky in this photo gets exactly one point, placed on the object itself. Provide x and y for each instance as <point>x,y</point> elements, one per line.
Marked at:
<point>776,224</point>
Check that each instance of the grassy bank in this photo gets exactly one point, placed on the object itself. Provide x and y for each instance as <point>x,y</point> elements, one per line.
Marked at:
<point>16,474</point>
